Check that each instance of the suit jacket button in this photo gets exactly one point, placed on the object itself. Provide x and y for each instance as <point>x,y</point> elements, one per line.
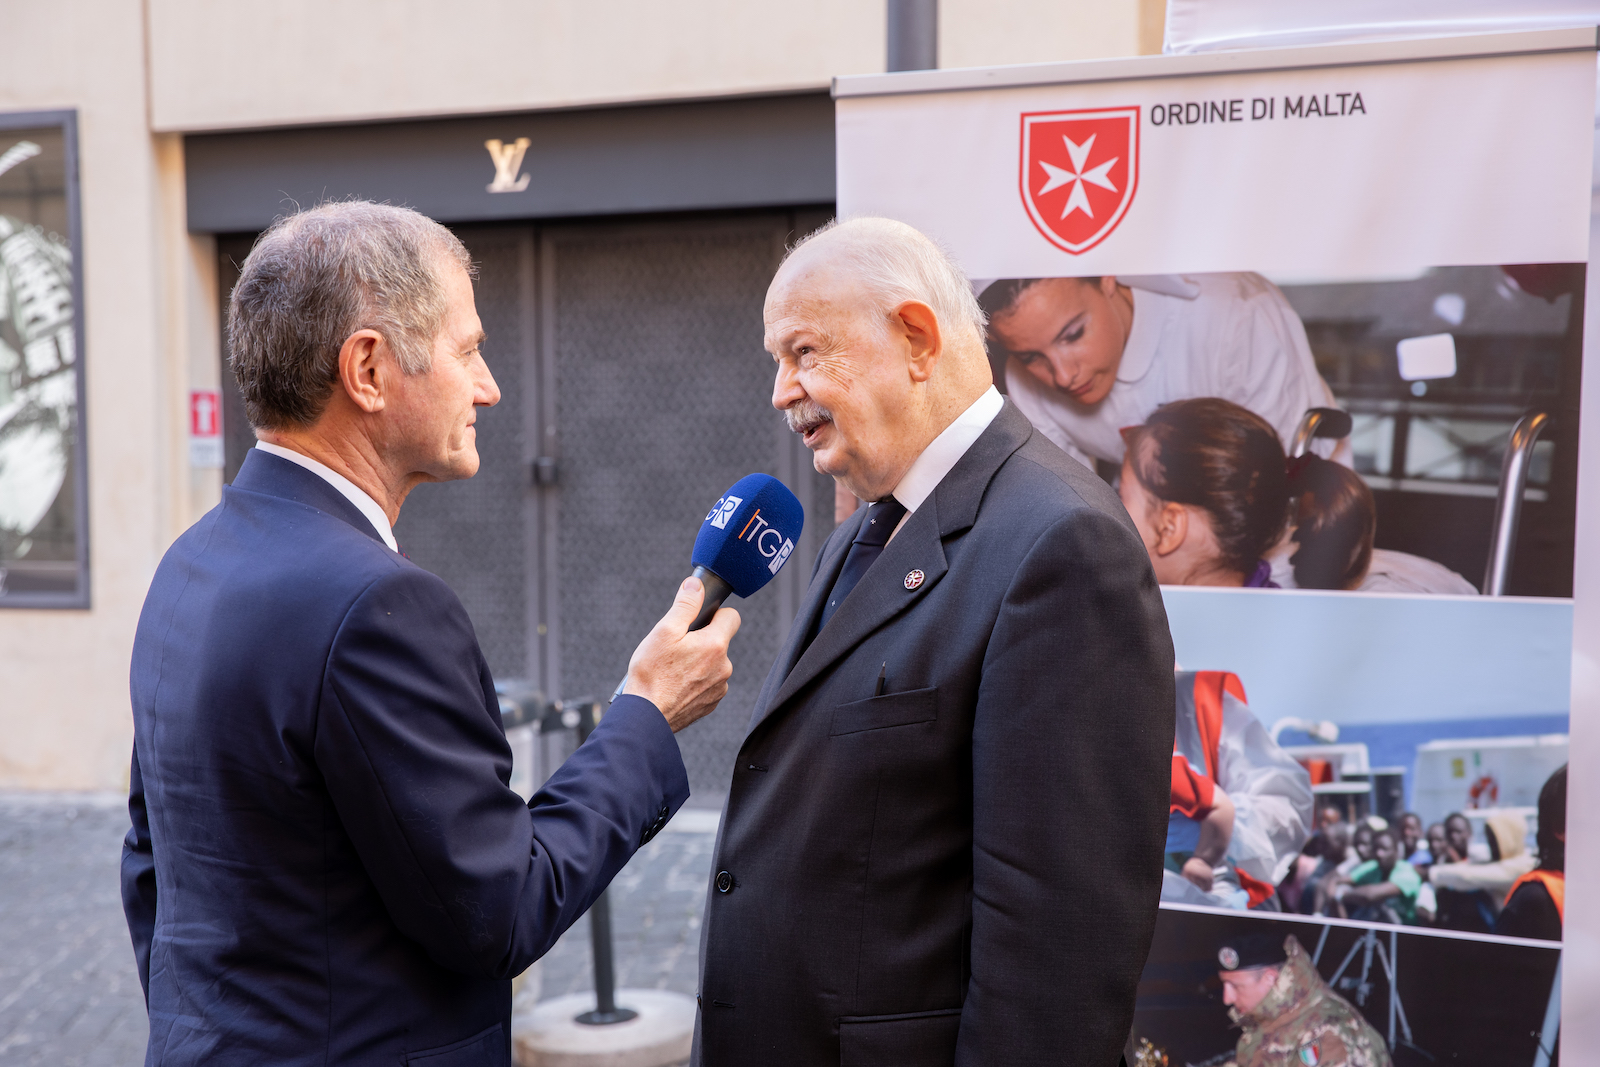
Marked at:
<point>724,882</point>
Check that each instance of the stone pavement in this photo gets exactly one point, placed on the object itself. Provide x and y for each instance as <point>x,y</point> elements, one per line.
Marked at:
<point>69,993</point>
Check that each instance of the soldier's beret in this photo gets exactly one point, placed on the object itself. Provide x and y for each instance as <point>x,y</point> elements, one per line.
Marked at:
<point>1251,950</point>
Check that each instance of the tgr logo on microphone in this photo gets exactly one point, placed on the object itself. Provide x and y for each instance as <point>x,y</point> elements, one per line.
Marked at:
<point>723,510</point>
<point>758,531</point>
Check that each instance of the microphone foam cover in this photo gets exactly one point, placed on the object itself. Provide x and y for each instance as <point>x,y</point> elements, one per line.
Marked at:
<point>750,533</point>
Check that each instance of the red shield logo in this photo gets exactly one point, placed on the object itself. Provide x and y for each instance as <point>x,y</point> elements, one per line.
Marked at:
<point>1079,171</point>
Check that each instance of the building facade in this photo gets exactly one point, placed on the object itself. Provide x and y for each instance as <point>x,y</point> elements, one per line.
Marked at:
<point>627,177</point>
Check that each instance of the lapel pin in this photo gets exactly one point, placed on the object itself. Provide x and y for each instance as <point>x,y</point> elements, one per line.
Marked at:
<point>914,579</point>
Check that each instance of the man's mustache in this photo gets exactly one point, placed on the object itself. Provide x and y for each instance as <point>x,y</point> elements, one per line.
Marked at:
<point>806,415</point>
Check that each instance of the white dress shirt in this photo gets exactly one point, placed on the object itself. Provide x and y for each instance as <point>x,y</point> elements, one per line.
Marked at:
<point>350,490</point>
<point>1232,336</point>
<point>946,450</point>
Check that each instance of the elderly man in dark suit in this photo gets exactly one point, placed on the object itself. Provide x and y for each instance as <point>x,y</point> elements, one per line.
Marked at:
<point>943,839</point>
<point>327,864</point>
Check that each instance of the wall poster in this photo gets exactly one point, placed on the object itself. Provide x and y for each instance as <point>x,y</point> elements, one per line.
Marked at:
<point>1318,314</point>
<point>44,550</point>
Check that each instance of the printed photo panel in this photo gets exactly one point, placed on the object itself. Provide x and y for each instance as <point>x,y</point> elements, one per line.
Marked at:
<point>1446,402</point>
<point>1320,321</point>
<point>43,543</point>
<point>1339,992</point>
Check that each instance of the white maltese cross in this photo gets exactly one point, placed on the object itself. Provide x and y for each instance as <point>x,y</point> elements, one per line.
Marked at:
<point>1078,200</point>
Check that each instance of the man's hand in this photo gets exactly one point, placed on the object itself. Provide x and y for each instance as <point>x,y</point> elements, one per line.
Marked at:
<point>684,674</point>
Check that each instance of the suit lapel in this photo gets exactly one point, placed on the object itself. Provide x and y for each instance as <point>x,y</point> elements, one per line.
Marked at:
<point>882,593</point>
<point>879,596</point>
<point>823,576</point>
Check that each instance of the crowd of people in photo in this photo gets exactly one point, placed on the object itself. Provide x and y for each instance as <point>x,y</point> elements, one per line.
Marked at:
<point>1441,876</point>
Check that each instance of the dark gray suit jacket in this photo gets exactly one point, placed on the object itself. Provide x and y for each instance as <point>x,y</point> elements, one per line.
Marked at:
<point>966,868</point>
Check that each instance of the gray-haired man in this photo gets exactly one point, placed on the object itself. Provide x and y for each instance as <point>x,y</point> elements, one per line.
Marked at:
<point>326,863</point>
<point>944,834</point>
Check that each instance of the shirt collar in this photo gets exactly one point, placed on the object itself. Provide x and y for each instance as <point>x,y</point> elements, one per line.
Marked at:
<point>946,450</point>
<point>1144,335</point>
<point>348,489</point>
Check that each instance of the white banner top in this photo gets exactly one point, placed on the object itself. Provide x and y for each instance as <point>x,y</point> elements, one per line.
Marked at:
<point>1145,166</point>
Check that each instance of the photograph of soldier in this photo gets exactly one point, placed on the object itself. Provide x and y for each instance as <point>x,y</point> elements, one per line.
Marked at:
<point>1255,988</point>
<point>1286,1013</point>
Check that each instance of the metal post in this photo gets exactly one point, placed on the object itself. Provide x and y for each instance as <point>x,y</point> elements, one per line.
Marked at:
<point>1552,1019</point>
<point>1508,506</point>
<point>605,969</point>
<point>913,35</point>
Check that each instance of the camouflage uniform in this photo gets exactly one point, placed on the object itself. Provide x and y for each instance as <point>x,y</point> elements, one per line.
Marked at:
<point>1303,1023</point>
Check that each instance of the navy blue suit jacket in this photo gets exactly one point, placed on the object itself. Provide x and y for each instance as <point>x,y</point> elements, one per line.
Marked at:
<point>326,863</point>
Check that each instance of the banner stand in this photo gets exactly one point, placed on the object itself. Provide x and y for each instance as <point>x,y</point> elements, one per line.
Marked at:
<point>1405,230</point>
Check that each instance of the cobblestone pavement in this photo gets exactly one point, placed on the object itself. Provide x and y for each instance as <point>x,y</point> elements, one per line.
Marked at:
<point>69,993</point>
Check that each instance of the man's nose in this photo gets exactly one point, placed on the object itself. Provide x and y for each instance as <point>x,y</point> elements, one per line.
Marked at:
<point>487,393</point>
<point>786,388</point>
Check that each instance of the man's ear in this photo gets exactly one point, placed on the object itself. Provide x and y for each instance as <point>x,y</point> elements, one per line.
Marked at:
<point>920,327</point>
<point>1172,528</point>
<point>360,369</point>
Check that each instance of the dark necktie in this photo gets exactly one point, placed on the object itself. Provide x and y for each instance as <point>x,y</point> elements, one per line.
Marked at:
<point>880,522</point>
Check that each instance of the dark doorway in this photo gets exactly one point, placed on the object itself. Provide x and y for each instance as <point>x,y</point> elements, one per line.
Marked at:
<point>634,389</point>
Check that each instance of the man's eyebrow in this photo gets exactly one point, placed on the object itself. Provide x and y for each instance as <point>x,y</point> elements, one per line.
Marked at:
<point>477,339</point>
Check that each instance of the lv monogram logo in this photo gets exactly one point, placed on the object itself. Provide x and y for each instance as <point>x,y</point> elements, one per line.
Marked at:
<point>507,161</point>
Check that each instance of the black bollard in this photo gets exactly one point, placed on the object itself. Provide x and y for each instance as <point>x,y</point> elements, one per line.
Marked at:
<point>605,972</point>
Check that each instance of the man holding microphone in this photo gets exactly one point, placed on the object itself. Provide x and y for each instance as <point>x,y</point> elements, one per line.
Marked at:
<point>326,863</point>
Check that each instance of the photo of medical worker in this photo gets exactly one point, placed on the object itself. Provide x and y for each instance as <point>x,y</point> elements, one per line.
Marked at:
<point>1405,411</point>
<point>1259,991</point>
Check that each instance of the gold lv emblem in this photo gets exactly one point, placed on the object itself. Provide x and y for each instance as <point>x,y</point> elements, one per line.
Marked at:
<point>507,161</point>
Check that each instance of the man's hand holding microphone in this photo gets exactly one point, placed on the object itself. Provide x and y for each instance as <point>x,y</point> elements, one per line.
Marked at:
<point>682,667</point>
<point>684,672</point>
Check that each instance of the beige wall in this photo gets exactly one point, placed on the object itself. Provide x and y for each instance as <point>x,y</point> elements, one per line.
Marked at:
<point>150,287</point>
<point>223,66</point>
<point>64,720</point>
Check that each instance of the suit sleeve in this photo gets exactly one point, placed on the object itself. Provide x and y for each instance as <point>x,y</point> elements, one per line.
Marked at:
<point>1072,741</point>
<point>415,758</point>
<point>139,876</point>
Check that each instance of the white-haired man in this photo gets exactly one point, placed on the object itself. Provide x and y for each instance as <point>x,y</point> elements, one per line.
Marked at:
<point>943,838</point>
<point>327,864</point>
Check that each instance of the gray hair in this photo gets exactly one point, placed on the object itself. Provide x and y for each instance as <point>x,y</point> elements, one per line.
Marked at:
<point>895,262</point>
<point>316,277</point>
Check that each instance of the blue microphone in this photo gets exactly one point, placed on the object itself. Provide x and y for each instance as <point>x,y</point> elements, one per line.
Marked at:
<point>746,538</point>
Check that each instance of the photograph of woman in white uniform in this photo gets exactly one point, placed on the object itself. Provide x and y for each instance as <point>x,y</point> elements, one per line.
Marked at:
<point>1085,357</point>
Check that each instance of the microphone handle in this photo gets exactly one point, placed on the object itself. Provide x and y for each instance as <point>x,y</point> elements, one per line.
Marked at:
<point>717,591</point>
